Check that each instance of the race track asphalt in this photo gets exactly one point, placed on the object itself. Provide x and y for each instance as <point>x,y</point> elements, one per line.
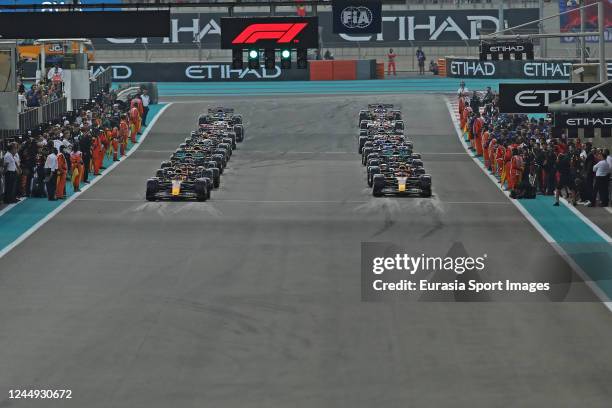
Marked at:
<point>253,299</point>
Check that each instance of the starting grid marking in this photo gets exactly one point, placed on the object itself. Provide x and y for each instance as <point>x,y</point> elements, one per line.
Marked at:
<point>323,202</point>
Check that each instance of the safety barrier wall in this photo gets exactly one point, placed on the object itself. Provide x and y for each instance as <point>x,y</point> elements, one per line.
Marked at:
<point>339,70</point>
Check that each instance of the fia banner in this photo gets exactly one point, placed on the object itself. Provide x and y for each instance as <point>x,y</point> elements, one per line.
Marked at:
<point>357,16</point>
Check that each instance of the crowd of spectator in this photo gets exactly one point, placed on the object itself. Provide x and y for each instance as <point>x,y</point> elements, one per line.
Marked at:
<point>41,162</point>
<point>45,91</point>
<point>528,160</point>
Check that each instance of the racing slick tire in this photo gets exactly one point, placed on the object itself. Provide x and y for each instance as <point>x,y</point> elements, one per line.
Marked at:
<point>425,180</point>
<point>363,124</point>
<point>152,189</point>
<point>362,140</point>
<point>399,125</point>
<point>237,119</point>
<point>372,171</point>
<point>364,155</point>
<point>201,189</point>
<point>228,149</point>
<point>203,120</point>
<point>397,115</point>
<point>239,130</point>
<point>165,163</point>
<point>233,136</point>
<point>212,165</point>
<point>220,159</point>
<point>378,183</point>
<point>209,175</point>
<point>363,115</point>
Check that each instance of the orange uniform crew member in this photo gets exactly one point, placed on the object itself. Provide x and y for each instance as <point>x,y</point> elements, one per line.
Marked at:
<point>62,170</point>
<point>135,122</point>
<point>391,62</point>
<point>76,162</point>
<point>124,132</point>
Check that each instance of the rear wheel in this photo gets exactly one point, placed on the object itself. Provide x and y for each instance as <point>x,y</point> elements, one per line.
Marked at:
<point>362,140</point>
<point>239,130</point>
<point>152,188</point>
<point>378,185</point>
<point>371,174</point>
<point>202,192</point>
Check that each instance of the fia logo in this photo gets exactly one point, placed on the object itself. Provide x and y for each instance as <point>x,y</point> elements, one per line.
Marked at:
<point>356,17</point>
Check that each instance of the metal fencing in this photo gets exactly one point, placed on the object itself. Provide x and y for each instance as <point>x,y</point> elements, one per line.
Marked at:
<point>29,119</point>
<point>54,110</point>
<point>100,82</point>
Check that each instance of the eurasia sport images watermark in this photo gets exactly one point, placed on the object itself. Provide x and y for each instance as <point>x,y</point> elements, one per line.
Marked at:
<point>412,265</point>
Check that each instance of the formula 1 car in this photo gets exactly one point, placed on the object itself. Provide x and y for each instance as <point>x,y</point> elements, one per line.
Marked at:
<point>379,110</point>
<point>378,165</point>
<point>223,119</point>
<point>373,150</point>
<point>401,182</point>
<point>175,185</point>
<point>377,134</point>
<point>392,168</point>
<point>195,168</point>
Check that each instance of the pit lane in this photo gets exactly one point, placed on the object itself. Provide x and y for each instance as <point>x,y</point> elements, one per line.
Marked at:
<point>253,299</point>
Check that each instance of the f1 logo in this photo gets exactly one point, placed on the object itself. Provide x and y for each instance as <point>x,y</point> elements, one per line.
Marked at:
<point>283,33</point>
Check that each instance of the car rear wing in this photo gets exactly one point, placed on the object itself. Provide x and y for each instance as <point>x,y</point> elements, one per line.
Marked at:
<point>380,105</point>
<point>220,109</point>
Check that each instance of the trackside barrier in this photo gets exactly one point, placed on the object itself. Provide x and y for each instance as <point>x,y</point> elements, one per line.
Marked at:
<point>442,67</point>
<point>345,70</point>
<point>380,70</point>
<point>342,70</point>
<point>321,70</point>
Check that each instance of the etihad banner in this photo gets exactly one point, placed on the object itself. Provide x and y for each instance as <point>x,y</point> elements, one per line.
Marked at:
<point>581,120</point>
<point>400,28</point>
<point>515,69</point>
<point>195,72</point>
<point>537,97</point>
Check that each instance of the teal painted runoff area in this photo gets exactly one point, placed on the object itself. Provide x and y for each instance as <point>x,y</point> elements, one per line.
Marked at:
<point>26,214</point>
<point>376,86</point>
